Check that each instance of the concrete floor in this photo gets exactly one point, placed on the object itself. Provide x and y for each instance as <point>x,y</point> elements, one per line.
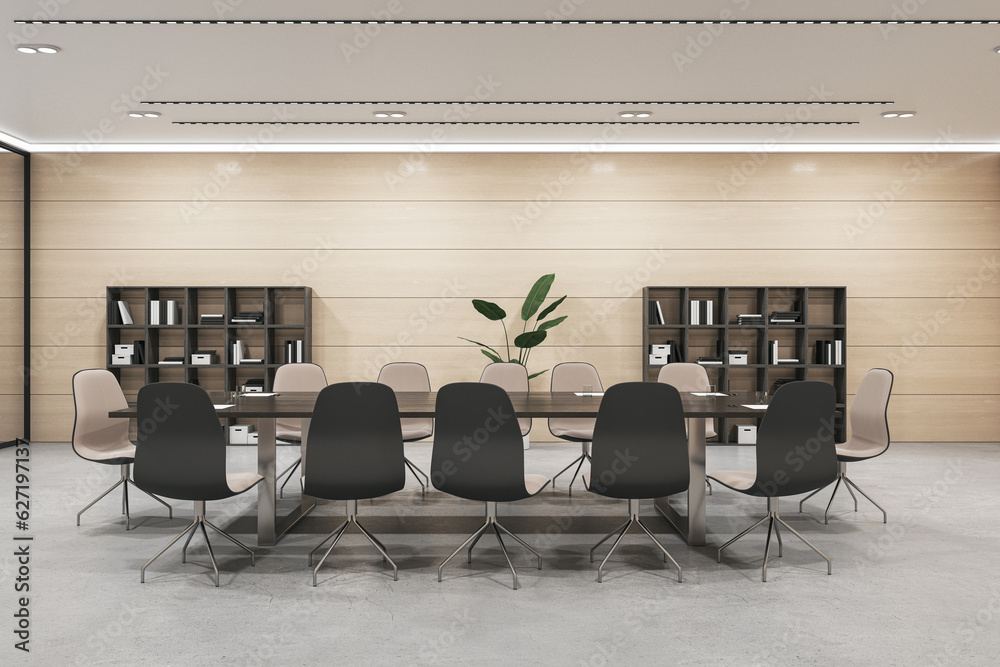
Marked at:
<point>923,589</point>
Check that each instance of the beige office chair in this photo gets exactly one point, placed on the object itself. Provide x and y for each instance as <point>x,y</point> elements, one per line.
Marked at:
<point>103,439</point>
<point>291,378</point>
<point>403,376</point>
<point>513,378</point>
<point>689,377</point>
<point>573,376</point>
<point>869,434</point>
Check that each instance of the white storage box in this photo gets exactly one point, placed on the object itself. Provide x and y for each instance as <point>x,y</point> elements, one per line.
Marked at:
<point>124,349</point>
<point>204,359</point>
<point>746,434</point>
<point>659,350</point>
<point>239,434</point>
<point>657,360</point>
<point>737,358</point>
<point>252,438</point>
<point>121,359</point>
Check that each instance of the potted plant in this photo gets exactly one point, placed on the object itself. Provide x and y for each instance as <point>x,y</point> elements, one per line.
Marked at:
<point>528,339</point>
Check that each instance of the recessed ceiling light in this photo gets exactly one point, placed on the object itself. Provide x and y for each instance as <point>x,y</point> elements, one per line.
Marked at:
<point>143,114</point>
<point>381,114</point>
<point>635,114</point>
<point>37,48</point>
<point>389,114</point>
<point>626,114</point>
<point>890,114</point>
<point>907,114</point>
<point>397,114</point>
<point>643,114</point>
<point>997,50</point>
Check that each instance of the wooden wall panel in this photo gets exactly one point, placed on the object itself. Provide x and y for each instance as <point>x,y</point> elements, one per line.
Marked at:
<point>394,261</point>
<point>495,273</point>
<point>12,415</point>
<point>57,426</point>
<point>500,224</point>
<point>197,179</point>
<point>11,177</point>
<point>920,321</point>
<point>11,321</point>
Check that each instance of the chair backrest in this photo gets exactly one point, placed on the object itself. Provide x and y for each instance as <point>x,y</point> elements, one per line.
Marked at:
<point>478,452</point>
<point>296,377</point>
<point>355,443</point>
<point>409,376</point>
<point>95,393</point>
<point>688,377</point>
<point>868,414</point>
<point>513,378</point>
<point>572,376</point>
<point>640,449</point>
<point>180,451</point>
<point>796,450</point>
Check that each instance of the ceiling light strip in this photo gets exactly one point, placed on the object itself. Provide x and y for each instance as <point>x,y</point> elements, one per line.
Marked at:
<point>512,22</point>
<point>512,122</point>
<point>517,103</point>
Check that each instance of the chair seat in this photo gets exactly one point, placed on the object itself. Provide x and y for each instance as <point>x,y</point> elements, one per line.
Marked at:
<point>847,452</point>
<point>241,481</point>
<point>121,454</point>
<point>580,434</point>
<point>411,434</point>
<point>287,434</point>
<point>738,480</point>
<point>535,483</point>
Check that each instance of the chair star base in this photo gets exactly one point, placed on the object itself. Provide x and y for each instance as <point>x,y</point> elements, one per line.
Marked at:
<point>125,480</point>
<point>578,461</point>
<point>199,522</point>
<point>848,483</point>
<point>338,532</point>
<point>491,522</point>
<point>633,508</point>
<point>773,519</point>
<point>417,472</point>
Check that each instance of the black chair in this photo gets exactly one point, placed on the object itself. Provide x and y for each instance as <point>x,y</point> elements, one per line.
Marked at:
<point>355,453</point>
<point>640,451</point>
<point>479,455</point>
<point>181,453</point>
<point>796,453</point>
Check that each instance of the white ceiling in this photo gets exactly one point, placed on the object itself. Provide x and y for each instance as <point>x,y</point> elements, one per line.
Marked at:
<point>948,74</point>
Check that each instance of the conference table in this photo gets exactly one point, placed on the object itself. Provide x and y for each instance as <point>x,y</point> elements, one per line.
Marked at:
<point>267,408</point>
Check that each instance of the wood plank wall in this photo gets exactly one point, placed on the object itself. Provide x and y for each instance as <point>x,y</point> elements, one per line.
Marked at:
<point>396,245</point>
<point>11,301</point>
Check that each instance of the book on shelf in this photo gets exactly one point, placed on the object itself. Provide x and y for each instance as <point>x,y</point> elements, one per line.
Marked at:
<point>164,312</point>
<point>772,351</point>
<point>294,352</point>
<point>701,311</point>
<point>139,350</point>
<point>176,361</point>
<point>125,313</point>
<point>237,351</point>
<point>785,317</point>
<point>710,361</point>
<point>248,317</point>
<point>838,352</point>
<point>830,352</point>
<point>213,318</point>
<point>749,318</point>
<point>788,361</point>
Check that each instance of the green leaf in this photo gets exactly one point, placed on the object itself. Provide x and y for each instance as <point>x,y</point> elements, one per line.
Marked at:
<point>490,310</point>
<point>475,342</point>
<point>529,339</point>
<point>536,295</point>
<point>550,308</point>
<point>551,323</point>
<point>492,356</point>
<point>534,375</point>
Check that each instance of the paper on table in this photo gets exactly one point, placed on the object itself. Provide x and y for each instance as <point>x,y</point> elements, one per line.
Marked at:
<point>223,406</point>
<point>755,407</point>
<point>255,393</point>
<point>589,393</point>
<point>707,393</point>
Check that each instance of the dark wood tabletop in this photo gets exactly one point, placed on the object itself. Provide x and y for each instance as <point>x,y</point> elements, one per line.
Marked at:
<point>421,404</point>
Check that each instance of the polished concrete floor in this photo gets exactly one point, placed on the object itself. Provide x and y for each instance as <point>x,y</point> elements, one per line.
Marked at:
<point>923,589</point>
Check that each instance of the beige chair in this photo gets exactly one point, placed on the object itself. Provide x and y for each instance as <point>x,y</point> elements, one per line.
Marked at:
<point>291,378</point>
<point>403,376</point>
<point>513,378</point>
<point>687,377</point>
<point>103,439</point>
<point>869,434</point>
<point>573,376</point>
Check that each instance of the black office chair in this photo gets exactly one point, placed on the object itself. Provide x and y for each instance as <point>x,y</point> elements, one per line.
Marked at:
<point>181,453</point>
<point>355,453</point>
<point>796,453</point>
<point>640,451</point>
<point>479,455</point>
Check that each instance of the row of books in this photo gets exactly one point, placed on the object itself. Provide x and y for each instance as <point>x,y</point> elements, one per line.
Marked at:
<point>248,317</point>
<point>749,318</point>
<point>294,351</point>
<point>773,356</point>
<point>238,354</point>
<point>213,318</point>
<point>164,312</point>
<point>786,317</point>
<point>830,352</point>
<point>656,313</point>
<point>700,311</point>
